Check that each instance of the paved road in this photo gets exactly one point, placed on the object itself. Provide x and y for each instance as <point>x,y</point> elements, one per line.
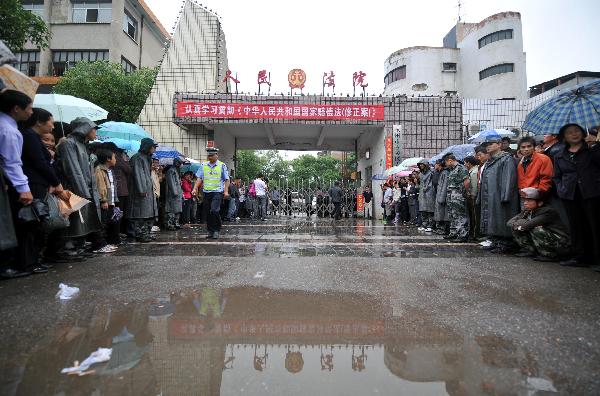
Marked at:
<point>302,307</point>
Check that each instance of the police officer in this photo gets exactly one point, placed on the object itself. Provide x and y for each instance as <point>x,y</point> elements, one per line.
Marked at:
<point>213,177</point>
<point>456,201</point>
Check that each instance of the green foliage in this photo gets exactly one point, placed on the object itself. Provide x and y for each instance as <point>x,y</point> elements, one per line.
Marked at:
<point>107,85</point>
<point>249,164</point>
<point>17,26</point>
<point>318,170</point>
<point>302,170</point>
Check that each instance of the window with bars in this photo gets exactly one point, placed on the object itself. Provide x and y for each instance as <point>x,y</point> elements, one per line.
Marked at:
<point>398,73</point>
<point>64,60</point>
<point>36,7</point>
<point>28,62</point>
<point>130,26</point>
<point>498,69</point>
<point>91,12</point>
<point>449,67</point>
<point>128,67</point>
<point>496,36</point>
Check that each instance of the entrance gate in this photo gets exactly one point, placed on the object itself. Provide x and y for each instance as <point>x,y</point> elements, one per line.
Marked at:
<point>300,199</point>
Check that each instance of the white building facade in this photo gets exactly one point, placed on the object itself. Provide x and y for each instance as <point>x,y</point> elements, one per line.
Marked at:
<point>478,60</point>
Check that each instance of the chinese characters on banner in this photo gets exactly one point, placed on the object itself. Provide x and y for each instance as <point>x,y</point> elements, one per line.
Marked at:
<point>397,144</point>
<point>360,203</point>
<point>389,153</point>
<point>279,112</point>
<point>189,328</point>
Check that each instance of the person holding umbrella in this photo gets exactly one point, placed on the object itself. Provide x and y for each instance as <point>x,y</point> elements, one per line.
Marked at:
<point>577,179</point>
<point>213,178</point>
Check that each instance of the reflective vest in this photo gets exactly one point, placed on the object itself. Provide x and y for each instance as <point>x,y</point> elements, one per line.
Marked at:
<point>212,176</point>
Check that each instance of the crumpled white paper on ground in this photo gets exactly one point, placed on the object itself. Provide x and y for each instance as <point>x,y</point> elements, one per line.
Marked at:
<point>100,356</point>
<point>66,292</point>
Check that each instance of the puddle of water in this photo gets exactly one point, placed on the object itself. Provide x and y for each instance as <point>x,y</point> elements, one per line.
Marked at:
<point>260,341</point>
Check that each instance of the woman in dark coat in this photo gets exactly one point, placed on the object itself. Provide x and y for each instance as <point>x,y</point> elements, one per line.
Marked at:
<point>577,179</point>
<point>42,180</point>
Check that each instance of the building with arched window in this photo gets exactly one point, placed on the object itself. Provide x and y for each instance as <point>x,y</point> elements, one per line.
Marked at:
<point>477,60</point>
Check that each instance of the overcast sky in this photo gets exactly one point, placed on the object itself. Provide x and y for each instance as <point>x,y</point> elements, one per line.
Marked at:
<point>345,36</point>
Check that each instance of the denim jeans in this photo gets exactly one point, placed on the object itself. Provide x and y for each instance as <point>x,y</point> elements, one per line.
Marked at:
<point>262,206</point>
<point>231,209</point>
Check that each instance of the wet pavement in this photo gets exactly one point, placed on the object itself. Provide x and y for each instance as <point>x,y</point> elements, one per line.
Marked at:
<point>302,308</point>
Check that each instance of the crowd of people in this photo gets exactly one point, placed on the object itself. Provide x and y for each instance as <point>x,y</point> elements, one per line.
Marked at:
<point>541,200</point>
<point>65,197</point>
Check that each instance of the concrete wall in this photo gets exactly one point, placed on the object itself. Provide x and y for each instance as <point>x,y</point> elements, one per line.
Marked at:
<point>474,59</point>
<point>101,36</point>
<point>195,61</point>
<point>423,66</point>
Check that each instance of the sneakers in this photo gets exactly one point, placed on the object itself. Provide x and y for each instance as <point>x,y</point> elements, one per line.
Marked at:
<point>106,249</point>
<point>155,229</point>
<point>421,229</point>
<point>428,229</point>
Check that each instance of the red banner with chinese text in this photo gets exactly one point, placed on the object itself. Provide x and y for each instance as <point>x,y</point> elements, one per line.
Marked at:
<point>279,111</point>
<point>389,153</point>
<point>360,203</point>
<point>194,328</point>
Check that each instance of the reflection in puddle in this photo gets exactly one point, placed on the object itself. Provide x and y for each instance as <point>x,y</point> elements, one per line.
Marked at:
<point>260,341</point>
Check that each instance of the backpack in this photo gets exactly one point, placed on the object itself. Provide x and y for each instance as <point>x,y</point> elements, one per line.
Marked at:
<point>252,191</point>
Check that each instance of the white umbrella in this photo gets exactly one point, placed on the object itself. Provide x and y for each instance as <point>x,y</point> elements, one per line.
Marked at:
<point>411,162</point>
<point>480,136</point>
<point>395,169</point>
<point>66,108</point>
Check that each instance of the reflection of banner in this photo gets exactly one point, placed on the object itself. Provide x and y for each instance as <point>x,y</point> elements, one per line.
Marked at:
<point>279,111</point>
<point>389,155</point>
<point>194,328</point>
<point>397,143</point>
<point>360,203</point>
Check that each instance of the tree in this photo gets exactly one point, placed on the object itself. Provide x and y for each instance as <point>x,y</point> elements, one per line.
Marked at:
<point>318,170</point>
<point>249,164</point>
<point>122,94</point>
<point>17,26</point>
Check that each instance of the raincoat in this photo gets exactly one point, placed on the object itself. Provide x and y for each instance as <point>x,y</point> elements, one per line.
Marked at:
<point>142,201</point>
<point>426,192</point>
<point>441,214</point>
<point>173,191</point>
<point>498,195</point>
<point>79,178</point>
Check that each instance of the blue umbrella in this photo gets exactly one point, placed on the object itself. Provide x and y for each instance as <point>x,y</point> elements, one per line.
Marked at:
<point>127,145</point>
<point>167,152</point>
<point>579,105</point>
<point>480,136</point>
<point>460,151</point>
<point>121,130</point>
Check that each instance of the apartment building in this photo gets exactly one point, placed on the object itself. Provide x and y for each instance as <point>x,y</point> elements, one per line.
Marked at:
<point>122,31</point>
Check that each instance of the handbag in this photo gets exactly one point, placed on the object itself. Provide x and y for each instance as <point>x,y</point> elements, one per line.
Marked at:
<point>56,220</point>
<point>37,211</point>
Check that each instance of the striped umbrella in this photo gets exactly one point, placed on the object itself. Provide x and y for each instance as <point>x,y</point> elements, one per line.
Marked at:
<point>579,105</point>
